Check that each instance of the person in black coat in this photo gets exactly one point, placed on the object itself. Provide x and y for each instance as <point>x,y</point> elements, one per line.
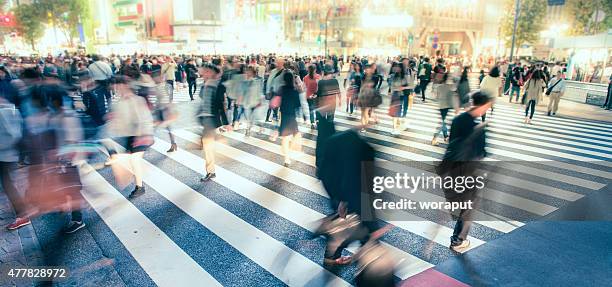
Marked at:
<point>346,171</point>
<point>465,149</point>
<point>192,75</point>
<point>290,102</point>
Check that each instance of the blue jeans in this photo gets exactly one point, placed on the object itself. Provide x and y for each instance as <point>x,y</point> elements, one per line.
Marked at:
<point>516,89</point>
<point>404,100</point>
<point>442,128</point>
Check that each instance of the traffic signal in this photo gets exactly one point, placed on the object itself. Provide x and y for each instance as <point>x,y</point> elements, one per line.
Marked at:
<point>410,38</point>
<point>319,40</point>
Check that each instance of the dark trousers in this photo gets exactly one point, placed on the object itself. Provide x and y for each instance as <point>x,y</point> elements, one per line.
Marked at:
<point>443,128</point>
<point>312,105</point>
<point>270,110</point>
<point>531,105</point>
<point>462,227</point>
<point>9,187</point>
<point>192,87</point>
<point>423,85</point>
<point>170,89</point>
<point>404,101</point>
<point>105,88</point>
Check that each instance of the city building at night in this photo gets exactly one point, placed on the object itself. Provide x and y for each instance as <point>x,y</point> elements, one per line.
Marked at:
<point>455,28</point>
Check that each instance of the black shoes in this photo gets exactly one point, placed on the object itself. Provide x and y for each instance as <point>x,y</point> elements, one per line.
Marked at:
<point>549,113</point>
<point>208,177</point>
<point>173,148</point>
<point>138,191</point>
<point>74,226</point>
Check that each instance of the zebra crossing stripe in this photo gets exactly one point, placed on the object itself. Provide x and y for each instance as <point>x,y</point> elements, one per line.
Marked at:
<point>507,164</point>
<point>508,124</point>
<point>282,206</point>
<point>506,144</point>
<point>164,261</point>
<point>519,156</point>
<point>255,244</point>
<point>498,196</point>
<point>515,121</point>
<point>274,169</point>
<point>524,184</point>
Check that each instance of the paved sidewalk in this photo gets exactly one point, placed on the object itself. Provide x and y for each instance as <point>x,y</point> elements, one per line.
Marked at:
<point>570,247</point>
<point>18,249</point>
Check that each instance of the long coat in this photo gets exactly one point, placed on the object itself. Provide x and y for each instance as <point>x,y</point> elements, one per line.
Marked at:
<point>534,89</point>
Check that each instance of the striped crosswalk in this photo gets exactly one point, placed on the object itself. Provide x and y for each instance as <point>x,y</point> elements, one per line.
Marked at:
<point>259,216</point>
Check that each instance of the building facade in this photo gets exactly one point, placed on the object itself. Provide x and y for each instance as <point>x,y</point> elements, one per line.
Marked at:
<point>395,26</point>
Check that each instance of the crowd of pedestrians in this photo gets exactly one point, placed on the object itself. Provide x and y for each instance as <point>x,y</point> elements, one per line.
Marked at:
<point>125,99</point>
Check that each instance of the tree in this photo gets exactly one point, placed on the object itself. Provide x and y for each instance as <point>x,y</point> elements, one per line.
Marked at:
<point>530,22</point>
<point>580,15</point>
<point>66,15</point>
<point>28,23</point>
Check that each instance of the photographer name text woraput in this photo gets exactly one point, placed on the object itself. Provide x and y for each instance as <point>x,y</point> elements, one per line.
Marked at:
<point>406,204</point>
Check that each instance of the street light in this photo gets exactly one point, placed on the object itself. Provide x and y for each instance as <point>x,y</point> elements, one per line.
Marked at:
<point>516,15</point>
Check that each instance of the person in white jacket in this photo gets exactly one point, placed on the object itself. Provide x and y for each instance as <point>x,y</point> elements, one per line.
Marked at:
<point>132,126</point>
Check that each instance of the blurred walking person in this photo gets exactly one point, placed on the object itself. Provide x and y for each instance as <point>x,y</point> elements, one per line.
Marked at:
<point>132,126</point>
<point>192,75</point>
<point>398,83</point>
<point>168,72</point>
<point>533,94</point>
<point>311,81</point>
<point>211,115</point>
<point>369,98</point>
<point>446,98</point>
<point>11,134</point>
<point>289,103</point>
<point>252,98</point>
<point>492,85</point>
<point>327,93</point>
<point>465,149</point>
<point>424,76</point>
<point>102,73</point>
<point>354,78</point>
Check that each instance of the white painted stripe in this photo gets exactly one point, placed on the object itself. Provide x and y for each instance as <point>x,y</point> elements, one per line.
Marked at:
<point>504,125</point>
<point>519,111</point>
<point>498,225</point>
<point>433,123</point>
<point>282,206</point>
<point>566,121</point>
<point>302,180</point>
<point>516,167</point>
<point>197,161</point>
<point>514,121</point>
<point>164,261</point>
<point>506,153</point>
<point>525,184</point>
<point>248,240</point>
<point>433,126</point>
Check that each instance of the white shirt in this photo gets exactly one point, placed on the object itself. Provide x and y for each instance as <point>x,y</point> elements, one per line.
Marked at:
<point>560,87</point>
